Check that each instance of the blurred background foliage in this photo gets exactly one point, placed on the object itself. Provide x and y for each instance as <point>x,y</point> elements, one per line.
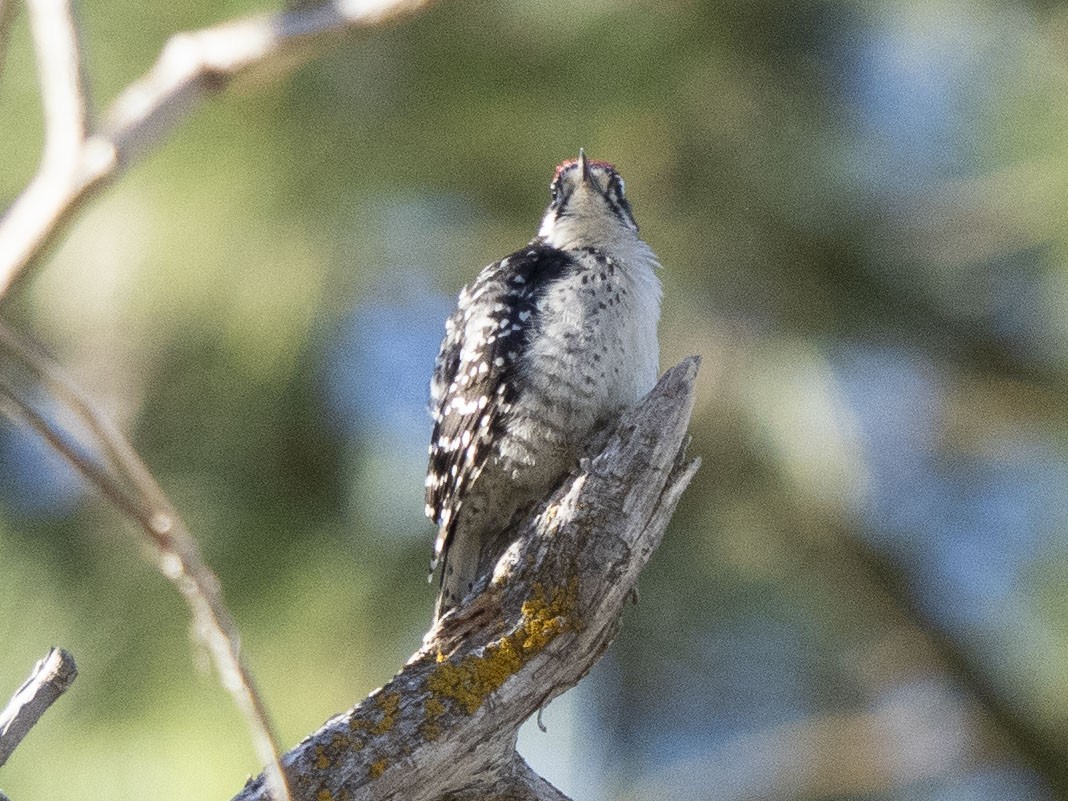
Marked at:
<point>861,212</point>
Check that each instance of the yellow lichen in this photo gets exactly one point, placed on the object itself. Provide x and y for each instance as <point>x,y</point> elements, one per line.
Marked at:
<point>377,768</point>
<point>432,710</point>
<point>322,761</point>
<point>545,617</point>
<point>324,795</point>
<point>470,680</point>
<point>388,704</point>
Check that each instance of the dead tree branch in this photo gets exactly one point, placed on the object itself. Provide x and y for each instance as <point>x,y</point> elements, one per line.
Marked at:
<point>50,679</point>
<point>59,68</point>
<point>445,726</point>
<point>104,458</point>
<point>78,162</point>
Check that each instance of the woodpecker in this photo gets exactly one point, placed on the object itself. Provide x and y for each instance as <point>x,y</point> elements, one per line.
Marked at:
<point>545,346</point>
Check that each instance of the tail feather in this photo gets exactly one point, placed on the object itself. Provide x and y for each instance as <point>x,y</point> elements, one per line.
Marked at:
<point>459,570</point>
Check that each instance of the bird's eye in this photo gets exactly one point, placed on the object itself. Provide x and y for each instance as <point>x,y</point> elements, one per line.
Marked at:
<point>554,192</point>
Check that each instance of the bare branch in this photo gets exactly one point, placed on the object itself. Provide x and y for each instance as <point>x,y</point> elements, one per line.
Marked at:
<point>59,69</point>
<point>76,164</point>
<point>109,463</point>
<point>445,727</point>
<point>70,165</point>
<point>50,679</point>
<point>190,67</point>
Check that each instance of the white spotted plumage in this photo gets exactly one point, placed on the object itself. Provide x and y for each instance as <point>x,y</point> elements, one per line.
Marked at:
<point>544,346</point>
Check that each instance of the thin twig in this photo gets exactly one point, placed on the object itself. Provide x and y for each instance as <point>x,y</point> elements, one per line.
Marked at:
<point>59,69</point>
<point>121,476</point>
<point>50,679</point>
<point>70,164</point>
<point>74,165</point>
<point>190,67</point>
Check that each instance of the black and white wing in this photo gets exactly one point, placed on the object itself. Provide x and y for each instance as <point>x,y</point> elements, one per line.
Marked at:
<point>476,377</point>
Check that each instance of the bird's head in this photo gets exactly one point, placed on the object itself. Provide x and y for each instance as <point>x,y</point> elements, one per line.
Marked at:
<point>588,206</point>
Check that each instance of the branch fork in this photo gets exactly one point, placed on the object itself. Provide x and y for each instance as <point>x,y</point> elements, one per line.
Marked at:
<point>79,160</point>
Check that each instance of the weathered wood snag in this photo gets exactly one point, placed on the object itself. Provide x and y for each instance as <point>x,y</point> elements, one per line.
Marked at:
<point>445,726</point>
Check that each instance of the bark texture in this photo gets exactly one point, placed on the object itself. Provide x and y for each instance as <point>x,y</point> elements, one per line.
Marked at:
<point>51,677</point>
<point>445,726</point>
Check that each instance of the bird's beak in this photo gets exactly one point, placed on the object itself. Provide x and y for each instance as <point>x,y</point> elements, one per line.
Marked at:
<point>584,166</point>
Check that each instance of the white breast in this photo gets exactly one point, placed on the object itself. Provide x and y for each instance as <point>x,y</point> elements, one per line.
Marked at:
<point>597,350</point>
<point>593,353</point>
